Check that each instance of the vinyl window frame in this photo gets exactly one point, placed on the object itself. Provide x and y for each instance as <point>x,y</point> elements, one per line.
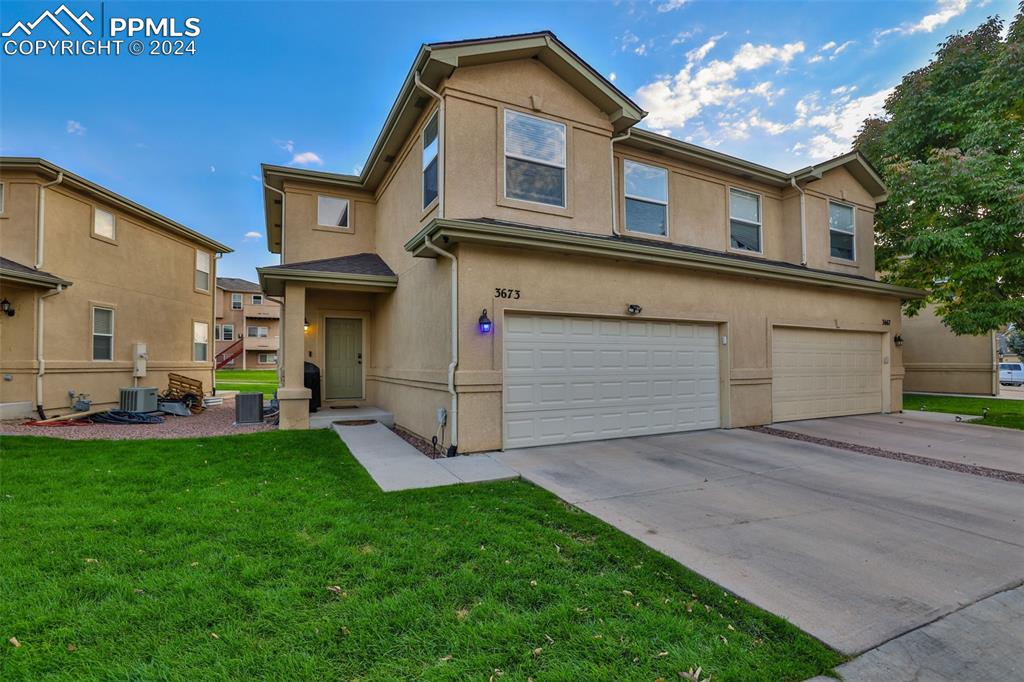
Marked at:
<point>240,299</point>
<point>208,272</point>
<point>626,196</point>
<point>3,197</point>
<point>505,155</point>
<point>347,227</point>
<point>260,358</point>
<point>92,337</point>
<point>249,329</point>
<point>224,332</point>
<point>253,300</point>
<point>96,210</point>
<point>427,206</point>
<point>759,224</point>
<point>852,232</point>
<point>196,344</point>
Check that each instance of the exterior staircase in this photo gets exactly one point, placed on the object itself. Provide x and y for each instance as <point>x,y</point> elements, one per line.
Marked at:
<point>230,353</point>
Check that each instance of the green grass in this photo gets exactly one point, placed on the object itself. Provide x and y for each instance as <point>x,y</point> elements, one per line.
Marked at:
<point>1005,413</point>
<point>248,380</point>
<point>122,559</point>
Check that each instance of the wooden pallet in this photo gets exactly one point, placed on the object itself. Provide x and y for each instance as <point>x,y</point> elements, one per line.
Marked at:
<point>178,386</point>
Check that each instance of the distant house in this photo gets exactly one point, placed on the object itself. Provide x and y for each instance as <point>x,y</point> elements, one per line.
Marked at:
<point>99,292</point>
<point>938,361</point>
<point>247,329</point>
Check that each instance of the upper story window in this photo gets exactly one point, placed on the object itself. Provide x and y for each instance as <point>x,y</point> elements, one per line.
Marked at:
<point>202,270</point>
<point>3,187</point>
<point>646,192</point>
<point>102,333</point>
<point>534,159</point>
<point>104,224</point>
<point>236,301</point>
<point>257,299</point>
<point>331,211</point>
<point>841,230</point>
<point>430,152</point>
<point>744,220</point>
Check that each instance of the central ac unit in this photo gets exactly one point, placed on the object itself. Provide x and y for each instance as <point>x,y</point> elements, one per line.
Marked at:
<point>138,400</point>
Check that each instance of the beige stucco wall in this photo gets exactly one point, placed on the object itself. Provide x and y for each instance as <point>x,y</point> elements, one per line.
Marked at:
<point>939,361</point>
<point>146,276</point>
<point>746,310</point>
<point>305,240</point>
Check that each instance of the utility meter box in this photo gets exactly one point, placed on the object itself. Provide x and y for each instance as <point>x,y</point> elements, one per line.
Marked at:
<point>139,359</point>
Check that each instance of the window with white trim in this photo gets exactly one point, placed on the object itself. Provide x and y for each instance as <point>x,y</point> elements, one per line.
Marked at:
<point>202,270</point>
<point>3,191</point>
<point>267,358</point>
<point>841,231</point>
<point>331,211</point>
<point>200,341</point>
<point>102,333</point>
<point>227,332</point>
<point>104,224</point>
<point>216,332</point>
<point>236,301</point>
<point>257,299</point>
<point>646,194</point>
<point>744,220</point>
<point>535,153</point>
<point>430,156</point>
<point>261,332</point>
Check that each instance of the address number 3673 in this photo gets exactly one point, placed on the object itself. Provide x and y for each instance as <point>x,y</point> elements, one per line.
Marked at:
<point>506,293</point>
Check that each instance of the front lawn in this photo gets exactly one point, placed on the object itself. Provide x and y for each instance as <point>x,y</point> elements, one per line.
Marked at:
<point>274,556</point>
<point>248,380</point>
<point>1006,413</point>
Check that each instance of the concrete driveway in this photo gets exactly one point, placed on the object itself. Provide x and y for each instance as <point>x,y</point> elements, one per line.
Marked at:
<point>852,548</point>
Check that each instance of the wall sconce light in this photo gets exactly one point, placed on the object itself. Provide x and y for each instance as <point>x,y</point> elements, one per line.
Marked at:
<point>897,340</point>
<point>485,323</point>
<point>634,309</point>
<point>305,324</point>
<point>6,308</point>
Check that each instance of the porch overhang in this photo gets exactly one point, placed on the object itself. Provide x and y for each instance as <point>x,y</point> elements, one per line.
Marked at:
<point>447,232</point>
<point>15,273</point>
<point>272,281</point>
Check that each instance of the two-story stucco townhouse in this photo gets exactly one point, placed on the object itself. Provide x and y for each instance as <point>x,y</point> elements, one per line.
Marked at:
<point>86,277</point>
<point>248,326</point>
<point>518,252</point>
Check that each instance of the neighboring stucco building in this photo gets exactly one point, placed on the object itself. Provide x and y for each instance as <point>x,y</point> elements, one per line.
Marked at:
<point>938,361</point>
<point>89,275</point>
<point>247,329</point>
<point>517,252</point>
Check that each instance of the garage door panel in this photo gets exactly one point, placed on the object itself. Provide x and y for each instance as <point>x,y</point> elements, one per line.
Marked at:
<point>617,378</point>
<point>825,373</point>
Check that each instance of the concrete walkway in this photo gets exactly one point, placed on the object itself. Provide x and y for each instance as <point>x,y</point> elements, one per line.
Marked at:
<point>395,465</point>
<point>915,434</point>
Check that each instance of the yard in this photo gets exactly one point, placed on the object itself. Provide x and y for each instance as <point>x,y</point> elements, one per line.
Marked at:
<point>248,380</point>
<point>275,556</point>
<point>1005,413</point>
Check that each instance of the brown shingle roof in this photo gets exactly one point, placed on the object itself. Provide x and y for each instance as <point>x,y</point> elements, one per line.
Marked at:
<point>359,264</point>
<point>15,267</point>
<point>236,284</point>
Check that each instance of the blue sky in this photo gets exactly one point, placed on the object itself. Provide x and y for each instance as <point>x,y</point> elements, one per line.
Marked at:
<point>309,84</point>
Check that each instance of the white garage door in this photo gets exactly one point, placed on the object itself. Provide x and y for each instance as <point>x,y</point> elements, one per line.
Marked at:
<point>575,378</point>
<point>825,373</point>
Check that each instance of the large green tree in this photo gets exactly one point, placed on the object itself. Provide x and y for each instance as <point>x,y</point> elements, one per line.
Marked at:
<point>951,149</point>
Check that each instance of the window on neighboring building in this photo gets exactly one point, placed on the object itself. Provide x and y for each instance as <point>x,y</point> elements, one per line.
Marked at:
<point>216,332</point>
<point>102,333</point>
<point>267,358</point>
<point>534,159</point>
<point>430,154</point>
<point>200,341</point>
<point>257,299</point>
<point>258,331</point>
<point>841,231</point>
<point>331,211</point>
<point>104,224</point>
<point>236,301</point>
<point>646,194</point>
<point>228,332</point>
<point>202,270</point>
<point>744,220</point>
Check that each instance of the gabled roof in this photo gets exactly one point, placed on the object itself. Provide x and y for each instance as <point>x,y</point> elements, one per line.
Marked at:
<point>858,166</point>
<point>12,271</point>
<point>51,171</point>
<point>359,272</point>
<point>237,284</point>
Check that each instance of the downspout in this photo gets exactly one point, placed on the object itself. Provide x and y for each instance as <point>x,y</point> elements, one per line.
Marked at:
<point>214,293</point>
<point>40,361</point>
<point>615,193</point>
<point>454,411</point>
<point>440,142</point>
<point>803,220</point>
<point>274,189</point>
<point>41,223</point>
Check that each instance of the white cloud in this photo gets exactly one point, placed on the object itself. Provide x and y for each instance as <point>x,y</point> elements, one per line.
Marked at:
<point>814,59</point>
<point>612,76</point>
<point>842,48</point>
<point>838,123</point>
<point>670,5</point>
<point>75,128</point>
<point>831,49</point>
<point>213,169</point>
<point>827,46</point>
<point>683,36</point>
<point>641,50</point>
<point>287,145</point>
<point>674,100</point>
<point>945,11</point>
<point>843,89</point>
<point>253,235</point>
<point>307,158</point>
<point>698,54</point>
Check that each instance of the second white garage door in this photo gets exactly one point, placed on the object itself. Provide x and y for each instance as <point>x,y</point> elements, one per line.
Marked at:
<point>825,373</point>
<point>576,378</point>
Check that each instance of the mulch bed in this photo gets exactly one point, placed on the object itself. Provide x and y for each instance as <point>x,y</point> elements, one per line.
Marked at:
<point>420,444</point>
<point>974,469</point>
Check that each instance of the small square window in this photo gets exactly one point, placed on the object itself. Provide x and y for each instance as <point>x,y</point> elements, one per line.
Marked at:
<point>104,224</point>
<point>841,231</point>
<point>331,211</point>
<point>257,299</point>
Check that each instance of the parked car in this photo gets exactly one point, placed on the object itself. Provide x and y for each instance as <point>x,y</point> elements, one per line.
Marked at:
<point>1011,373</point>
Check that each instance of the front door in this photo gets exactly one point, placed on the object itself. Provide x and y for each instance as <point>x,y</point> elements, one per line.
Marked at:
<point>343,359</point>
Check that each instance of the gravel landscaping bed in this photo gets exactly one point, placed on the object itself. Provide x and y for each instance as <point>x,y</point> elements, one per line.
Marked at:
<point>1010,476</point>
<point>218,420</point>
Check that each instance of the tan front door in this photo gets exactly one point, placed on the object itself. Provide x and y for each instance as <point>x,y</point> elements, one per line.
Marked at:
<point>825,373</point>
<point>343,359</point>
